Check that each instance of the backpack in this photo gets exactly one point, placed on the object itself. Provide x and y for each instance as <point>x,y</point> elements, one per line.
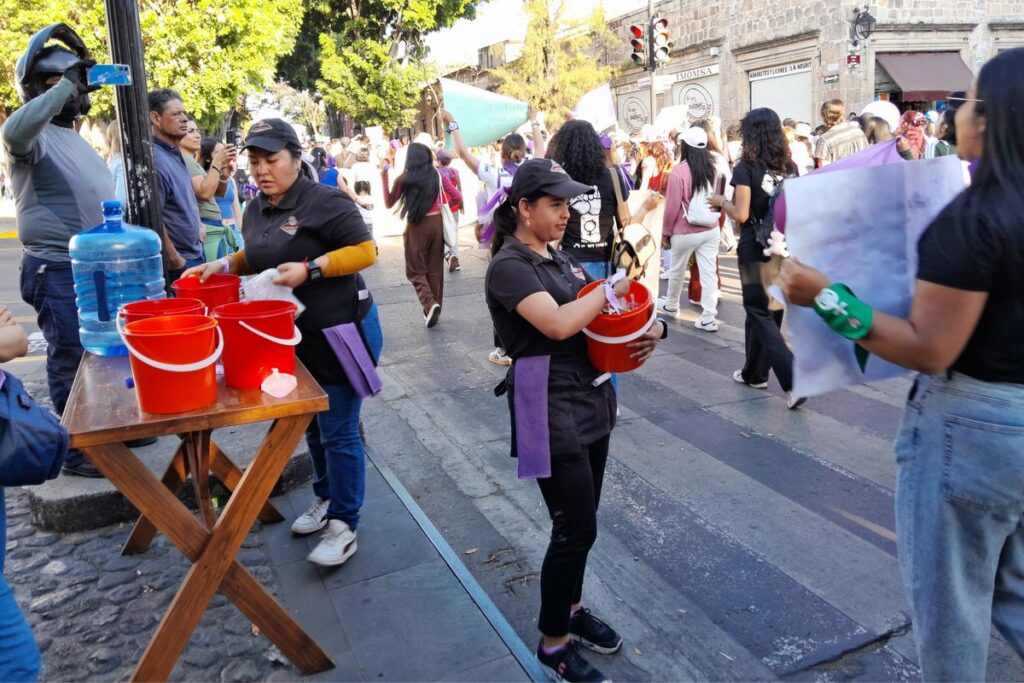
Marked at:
<point>633,246</point>
<point>32,441</point>
<point>764,225</point>
<point>699,211</point>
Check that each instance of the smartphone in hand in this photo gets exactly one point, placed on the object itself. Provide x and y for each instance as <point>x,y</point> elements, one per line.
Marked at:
<point>109,74</point>
<point>233,138</point>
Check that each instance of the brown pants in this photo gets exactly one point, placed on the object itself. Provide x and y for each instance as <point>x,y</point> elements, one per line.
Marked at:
<point>424,260</point>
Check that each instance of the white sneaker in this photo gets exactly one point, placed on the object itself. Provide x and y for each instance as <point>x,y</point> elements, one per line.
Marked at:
<point>664,275</point>
<point>430,319</point>
<point>336,545</point>
<point>663,306</point>
<point>313,519</point>
<point>738,376</point>
<point>498,357</point>
<point>706,324</point>
<point>794,402</point>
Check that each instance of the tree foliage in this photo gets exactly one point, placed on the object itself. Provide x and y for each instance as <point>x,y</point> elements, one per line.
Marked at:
<point>212,51</point>
<point>562,59</point>
<point>365,56</point>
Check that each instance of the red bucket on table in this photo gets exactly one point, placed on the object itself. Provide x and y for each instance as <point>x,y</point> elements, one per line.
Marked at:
<point>173,361</point>
<point>258,336</point>
<point>154,308</point>
<point>609,333</point>
<point>217,290</point>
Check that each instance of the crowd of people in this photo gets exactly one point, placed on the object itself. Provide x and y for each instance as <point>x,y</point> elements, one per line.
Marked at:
<point>551,207</point>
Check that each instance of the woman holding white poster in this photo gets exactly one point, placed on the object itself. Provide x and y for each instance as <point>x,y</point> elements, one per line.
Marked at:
<point>960,450</point>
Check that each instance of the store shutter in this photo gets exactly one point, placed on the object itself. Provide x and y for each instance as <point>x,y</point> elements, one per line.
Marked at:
<point>700,96</point>
<point>634,110</point>
<point>789,95</point>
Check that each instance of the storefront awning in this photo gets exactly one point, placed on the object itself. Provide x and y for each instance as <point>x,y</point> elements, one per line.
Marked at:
<point>926,75</point>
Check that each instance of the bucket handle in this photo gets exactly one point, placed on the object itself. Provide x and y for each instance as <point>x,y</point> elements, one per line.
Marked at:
<point>294,341</point>
<point>627,338</point>
<point>187,367</point>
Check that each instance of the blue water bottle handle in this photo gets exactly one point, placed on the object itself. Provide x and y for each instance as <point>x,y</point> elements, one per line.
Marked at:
<point>99,277</point>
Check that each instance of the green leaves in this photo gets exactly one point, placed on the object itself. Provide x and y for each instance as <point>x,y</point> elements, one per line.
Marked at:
<point>212,51</point>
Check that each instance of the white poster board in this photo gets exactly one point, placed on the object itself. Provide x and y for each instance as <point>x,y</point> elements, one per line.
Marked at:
<point>865,236</point>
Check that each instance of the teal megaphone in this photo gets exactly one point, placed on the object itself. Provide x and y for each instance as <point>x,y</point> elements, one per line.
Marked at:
<point>483,116</point>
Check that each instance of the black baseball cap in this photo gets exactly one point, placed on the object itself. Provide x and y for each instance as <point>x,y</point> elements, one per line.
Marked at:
<point>544,176</point>
<point>271,135</point>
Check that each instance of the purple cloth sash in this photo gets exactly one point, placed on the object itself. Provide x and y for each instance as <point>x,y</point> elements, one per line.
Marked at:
<point>530,397</point>
<point>485,214</point>
<point>348,346</point>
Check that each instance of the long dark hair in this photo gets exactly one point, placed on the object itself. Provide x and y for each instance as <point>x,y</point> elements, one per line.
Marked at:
<point>420,184</point>
<point>996,192</point>
<point>319,159</point>
<point>764,141</point>
<point>506,220</point>
<point>580,153</point>
<point>206,148</point>
<point>702,167</point>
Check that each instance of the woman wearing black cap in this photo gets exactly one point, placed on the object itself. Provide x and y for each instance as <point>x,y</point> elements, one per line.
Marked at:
<point>315,238</point>
<point>562,409</point>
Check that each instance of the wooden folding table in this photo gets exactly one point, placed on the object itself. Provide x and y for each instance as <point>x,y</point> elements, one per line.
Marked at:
<point>102,413</point>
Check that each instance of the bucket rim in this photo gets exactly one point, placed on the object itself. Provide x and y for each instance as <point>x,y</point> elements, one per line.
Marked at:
<point>198,323</point>
<point>251,309</point>
<point>212,282</point>
<point>183,302</point>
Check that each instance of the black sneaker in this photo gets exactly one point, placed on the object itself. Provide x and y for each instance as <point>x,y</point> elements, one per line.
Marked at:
<point>80,467</point>
<point>453,264</point>
<point>594,634</point>
<point>569,665</point>
<point>141,443</point>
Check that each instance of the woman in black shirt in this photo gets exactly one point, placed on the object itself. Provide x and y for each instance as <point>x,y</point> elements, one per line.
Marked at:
<point>562,408</point>
<point>960,451</point>
<point>763,164</point>
<point>316,239</point>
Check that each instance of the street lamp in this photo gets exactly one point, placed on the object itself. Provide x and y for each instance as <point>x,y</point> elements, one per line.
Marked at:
<point>862,25</point>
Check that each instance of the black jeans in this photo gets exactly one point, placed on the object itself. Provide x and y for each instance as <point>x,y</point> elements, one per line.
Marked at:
<point>766,349</point>
<point>572,493</point>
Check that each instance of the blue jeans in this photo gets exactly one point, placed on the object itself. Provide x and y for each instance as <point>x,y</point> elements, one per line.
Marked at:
<point>959,508</point>
<point>49,288</point>
<point>335,447</point>
<point>19,655</point>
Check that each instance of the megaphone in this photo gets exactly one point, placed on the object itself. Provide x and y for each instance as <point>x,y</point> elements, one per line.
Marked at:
<point>483,116</point>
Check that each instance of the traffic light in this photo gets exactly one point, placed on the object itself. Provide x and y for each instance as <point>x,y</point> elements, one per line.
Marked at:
<point>639,55</point>
<point>660,44</point>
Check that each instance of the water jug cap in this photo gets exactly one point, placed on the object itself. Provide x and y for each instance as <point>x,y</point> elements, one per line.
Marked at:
<point>111,207</point>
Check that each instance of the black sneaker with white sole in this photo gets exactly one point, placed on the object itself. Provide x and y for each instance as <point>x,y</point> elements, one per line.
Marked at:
<point>594,634</point>
<point>568,664</point>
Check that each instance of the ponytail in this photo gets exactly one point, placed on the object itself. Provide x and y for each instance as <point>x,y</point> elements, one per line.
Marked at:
<point>504,221</point>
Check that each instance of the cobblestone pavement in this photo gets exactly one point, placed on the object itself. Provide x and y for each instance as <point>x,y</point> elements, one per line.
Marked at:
<point>93,611</point>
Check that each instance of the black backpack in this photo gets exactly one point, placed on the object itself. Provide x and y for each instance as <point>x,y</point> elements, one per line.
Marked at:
<point>764,225</point>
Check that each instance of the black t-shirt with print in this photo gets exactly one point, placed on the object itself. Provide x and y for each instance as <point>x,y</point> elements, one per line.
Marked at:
<point>978,254</point>
<point>309,221</point>
<point>761,184</point>
<point>588,234</point>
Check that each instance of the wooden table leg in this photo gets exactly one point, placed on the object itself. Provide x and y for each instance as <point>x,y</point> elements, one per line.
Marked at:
<point>197,449</point>
<point>144,532</point>
<point>213,553</point>
<point>230,474</point>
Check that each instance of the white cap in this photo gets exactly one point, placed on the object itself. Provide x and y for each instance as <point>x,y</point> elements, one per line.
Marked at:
<point>887,111</point>
<point>695,136</point>
<point>803,130</point>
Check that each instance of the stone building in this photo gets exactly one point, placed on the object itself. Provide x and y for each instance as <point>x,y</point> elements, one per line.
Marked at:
<point>791,55</point>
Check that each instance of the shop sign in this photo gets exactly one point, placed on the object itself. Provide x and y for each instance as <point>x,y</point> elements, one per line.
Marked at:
<point>776,71</point>
<point>694,74</point>
<point>634,111</point>
<point>698,102</point>
<point>853,60</point>
<point>832,78</point>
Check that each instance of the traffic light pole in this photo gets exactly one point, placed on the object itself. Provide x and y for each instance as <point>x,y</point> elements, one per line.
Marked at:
<point>651,61</point>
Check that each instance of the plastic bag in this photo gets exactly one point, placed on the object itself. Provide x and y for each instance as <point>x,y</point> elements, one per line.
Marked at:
<point>262,287</point>
<point>279,384</point>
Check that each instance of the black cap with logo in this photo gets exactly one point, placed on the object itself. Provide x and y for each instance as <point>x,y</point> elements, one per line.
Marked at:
<point>271,135</point>
<point>544,176</point>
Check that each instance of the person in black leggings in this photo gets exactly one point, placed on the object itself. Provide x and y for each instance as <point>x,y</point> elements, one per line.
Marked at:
<point>531,292</point>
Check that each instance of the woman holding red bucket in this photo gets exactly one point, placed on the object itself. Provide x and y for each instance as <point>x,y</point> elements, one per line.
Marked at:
<point>562,408</point>
<point>315,238</point>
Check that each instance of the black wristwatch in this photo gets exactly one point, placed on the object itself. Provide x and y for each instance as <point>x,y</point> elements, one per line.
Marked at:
<point>664,329</point>
<point>313,269</point>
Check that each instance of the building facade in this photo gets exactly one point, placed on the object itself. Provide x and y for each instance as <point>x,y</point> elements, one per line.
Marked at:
<point>792,55</point>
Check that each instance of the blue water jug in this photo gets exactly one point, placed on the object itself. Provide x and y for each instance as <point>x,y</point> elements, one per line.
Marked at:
<point>113,264</point>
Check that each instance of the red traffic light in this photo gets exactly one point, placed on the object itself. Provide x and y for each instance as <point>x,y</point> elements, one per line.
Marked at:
<point>637,31</point>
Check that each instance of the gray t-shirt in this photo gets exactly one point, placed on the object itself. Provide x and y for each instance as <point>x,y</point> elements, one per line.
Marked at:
<point>58,180</point>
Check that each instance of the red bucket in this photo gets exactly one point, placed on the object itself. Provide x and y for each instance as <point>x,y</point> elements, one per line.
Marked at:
<point>609,333</point>
<point>153,308</point>
<point>173,361</point>
<point>258,337</point>
<point>217,290</point>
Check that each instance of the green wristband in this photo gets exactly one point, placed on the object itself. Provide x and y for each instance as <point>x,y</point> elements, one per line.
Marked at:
<point>844,312</point>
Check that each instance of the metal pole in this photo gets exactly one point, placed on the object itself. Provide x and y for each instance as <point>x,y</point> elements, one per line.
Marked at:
<point>125,36</point>
<point>651,61</point>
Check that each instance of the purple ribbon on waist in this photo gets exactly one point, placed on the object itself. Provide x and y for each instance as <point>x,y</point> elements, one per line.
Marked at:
<point>348,346</point>
<point>486,213</point>
<point>530,401</point>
